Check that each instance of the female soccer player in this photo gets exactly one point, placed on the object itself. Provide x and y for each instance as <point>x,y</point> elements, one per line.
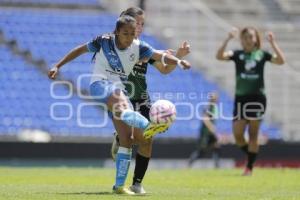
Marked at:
<point>207,140</point>
<point>250,98</point>
<point>139,97</point>
<point>116,55</point>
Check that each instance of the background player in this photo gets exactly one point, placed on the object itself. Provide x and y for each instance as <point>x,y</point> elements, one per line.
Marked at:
<point>250,98</point>
<point>140,99</point>
<point>116,56</point>
<point>207,139</point>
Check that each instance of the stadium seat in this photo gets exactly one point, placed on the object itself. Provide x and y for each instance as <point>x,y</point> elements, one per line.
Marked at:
<point>48,35</point>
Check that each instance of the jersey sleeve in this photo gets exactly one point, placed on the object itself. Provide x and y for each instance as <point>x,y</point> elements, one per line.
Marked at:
<point>95,44</point>
<point>151,61</point>
<point>146,51</point>
<point>207,112</point>
<point>267,56</point>
<point>233,55</point>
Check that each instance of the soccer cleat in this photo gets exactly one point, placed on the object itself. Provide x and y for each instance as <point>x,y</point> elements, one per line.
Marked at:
<point>122,190</point>
<point>137,188</point>
<point>153,129</point>
<point>115,146</point>
<point>247,172</point>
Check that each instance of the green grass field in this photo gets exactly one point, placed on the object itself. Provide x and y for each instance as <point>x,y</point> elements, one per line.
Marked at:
<point>38,183</point>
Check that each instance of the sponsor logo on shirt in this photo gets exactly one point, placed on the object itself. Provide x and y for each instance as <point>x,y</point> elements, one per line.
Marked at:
<point>117,73</point>
<point>249,76</point>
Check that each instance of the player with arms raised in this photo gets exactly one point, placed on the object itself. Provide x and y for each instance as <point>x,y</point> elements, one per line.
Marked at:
<point>250,97</point>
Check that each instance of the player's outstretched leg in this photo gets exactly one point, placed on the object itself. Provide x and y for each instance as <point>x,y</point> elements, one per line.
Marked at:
<point>135,119</point>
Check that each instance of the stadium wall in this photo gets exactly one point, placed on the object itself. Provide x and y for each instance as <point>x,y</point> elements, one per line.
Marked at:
<point>274,154</point>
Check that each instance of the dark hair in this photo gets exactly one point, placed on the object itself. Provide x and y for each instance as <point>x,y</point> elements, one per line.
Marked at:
<point>124,20</point>
<point>121,21</point>
<point>257,35</point>
<point>133,12</point>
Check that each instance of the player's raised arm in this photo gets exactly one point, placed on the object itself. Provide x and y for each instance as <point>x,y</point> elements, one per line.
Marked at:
<point>182,51</point>
<point>279,58</point>
<point>167,59</point>
<point>74,53</point>
<point>92,46</point>
<point>222,54</point>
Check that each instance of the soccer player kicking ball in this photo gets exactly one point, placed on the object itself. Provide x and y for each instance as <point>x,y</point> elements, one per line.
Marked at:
<point>250,97</point>
<point>140,99</point>
<point>116,55</point>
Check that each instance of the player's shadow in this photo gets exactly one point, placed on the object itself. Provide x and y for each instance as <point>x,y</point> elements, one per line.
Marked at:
<point>96,193</point>
<point>86,193</point>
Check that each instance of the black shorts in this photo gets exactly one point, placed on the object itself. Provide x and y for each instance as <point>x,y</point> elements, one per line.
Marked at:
<point>250,107</point>
<point>142,106</point>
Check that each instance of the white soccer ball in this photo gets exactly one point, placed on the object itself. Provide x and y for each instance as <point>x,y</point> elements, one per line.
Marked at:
<point>162,112</point>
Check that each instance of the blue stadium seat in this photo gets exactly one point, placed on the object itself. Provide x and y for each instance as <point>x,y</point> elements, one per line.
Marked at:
<point>26,101</point>
<point>57,2</point>
<point>49,35</point>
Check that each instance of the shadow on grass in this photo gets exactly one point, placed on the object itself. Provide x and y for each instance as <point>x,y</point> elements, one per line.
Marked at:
<point>94,193</point>
<point>86,193</point>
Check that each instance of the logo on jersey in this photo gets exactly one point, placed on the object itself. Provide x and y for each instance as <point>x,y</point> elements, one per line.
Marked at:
<point>131,57</point>
<point>249,76</point>
<point>258,56</point>
<point>113,61</point>
<point>250,64</point>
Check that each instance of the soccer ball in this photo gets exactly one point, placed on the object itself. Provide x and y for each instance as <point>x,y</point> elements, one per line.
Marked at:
<point>162,112</point>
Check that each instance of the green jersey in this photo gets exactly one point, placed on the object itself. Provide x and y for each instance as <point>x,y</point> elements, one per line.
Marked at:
<point>137,87</point>
<point>212,113</point>
<point>250,72</point>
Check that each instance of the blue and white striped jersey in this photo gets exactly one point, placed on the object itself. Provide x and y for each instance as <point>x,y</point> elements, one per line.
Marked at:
<point>114,64</point>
